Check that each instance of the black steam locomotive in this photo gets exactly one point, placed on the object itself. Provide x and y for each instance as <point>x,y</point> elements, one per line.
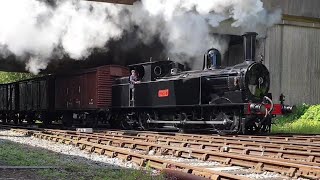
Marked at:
<point>228,100</point>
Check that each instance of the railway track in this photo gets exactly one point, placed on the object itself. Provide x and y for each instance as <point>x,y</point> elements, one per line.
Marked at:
<point>294,140</point>
<point>264,143</point>
<point>280,161</point>
<point>307,158</point>
<point>150,149</point>
<point>139,158</point>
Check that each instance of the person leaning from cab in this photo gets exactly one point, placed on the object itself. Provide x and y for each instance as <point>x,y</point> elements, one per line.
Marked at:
<point>133,80</point>
<point>133,77</point>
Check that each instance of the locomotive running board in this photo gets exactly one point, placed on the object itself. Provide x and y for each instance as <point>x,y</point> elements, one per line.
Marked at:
<point>186,122</point>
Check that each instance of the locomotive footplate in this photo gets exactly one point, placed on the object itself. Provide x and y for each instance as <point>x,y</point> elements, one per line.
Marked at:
<point>187,122</point>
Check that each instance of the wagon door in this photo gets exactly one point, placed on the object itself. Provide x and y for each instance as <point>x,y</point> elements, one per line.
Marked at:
<point>3,97</point>
<point>11,97</point>
<point>75,95</point>
<point>43,96</point>
<point>29,96</point>
<point>35,91</point>
<point>22,95</point>
<point>62,92</point>
<point>89,92</point>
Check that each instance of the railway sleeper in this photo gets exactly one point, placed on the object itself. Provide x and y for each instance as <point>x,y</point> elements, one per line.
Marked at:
<point>253,150</point>
<point>152,162</point>
<point>236,142</point>
<point>270,150</point>
<point>304,171</point>
<point>213,139</point>
<point>196,156</point>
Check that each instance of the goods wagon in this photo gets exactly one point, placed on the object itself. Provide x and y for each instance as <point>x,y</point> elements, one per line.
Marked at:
<point>3,102</point>
<point>3,97</point>
<point>82,97</point>
<point>8,102</point>
<point>36,98</point>
<point>86,95</point>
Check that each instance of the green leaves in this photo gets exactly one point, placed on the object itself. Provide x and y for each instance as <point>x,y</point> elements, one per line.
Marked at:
<point>301,109</point>
<point>305,120</point>
<point>313,113</point>
<point>9,77</point>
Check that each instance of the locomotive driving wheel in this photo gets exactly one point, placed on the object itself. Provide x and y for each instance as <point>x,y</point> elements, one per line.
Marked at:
<point>123,122</point>
<point>231,122</point>
<point>143,121</point>
<point>228,120</point>
<point>253,126</point>
<point>266,125</point>
<point>127,121</point>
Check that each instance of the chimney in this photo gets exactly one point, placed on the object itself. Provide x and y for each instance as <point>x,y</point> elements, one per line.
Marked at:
<point>249,46</point>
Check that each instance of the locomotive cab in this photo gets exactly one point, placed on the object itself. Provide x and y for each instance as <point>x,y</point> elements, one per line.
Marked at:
<point>151,71</point>
<point>147,72</point>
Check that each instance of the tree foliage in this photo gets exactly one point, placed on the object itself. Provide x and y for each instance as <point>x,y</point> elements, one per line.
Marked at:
<point>8,77</point>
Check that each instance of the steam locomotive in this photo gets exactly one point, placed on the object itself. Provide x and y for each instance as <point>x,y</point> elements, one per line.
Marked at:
<point>226,100</point>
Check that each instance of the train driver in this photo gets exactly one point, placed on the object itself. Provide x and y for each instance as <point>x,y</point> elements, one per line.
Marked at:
<point>133,80</point>
<point>134,77</point>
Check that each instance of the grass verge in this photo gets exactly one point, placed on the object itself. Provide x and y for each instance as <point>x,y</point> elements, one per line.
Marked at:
<point>306,120</point>
<point>14,154</point>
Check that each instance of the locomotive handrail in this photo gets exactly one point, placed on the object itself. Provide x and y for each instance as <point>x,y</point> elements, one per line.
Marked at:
<point>271,102</point>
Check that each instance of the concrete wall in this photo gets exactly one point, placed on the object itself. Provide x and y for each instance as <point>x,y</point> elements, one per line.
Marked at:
<point>293,58</point>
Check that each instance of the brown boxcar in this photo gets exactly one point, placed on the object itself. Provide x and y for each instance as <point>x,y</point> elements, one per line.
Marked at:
<point>89,89</point>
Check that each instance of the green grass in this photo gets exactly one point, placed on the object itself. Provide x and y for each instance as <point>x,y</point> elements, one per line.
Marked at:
<point>300,126</point>
<point>306,120</point>
<point>21,155</point>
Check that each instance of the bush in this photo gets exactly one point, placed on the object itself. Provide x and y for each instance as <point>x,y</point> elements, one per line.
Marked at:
<point>300,111</point>
<point>313,113</point>
<point>301,126</point>
<point>305,120</point>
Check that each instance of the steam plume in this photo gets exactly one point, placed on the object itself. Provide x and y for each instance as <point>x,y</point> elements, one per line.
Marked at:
<point>36,32</point>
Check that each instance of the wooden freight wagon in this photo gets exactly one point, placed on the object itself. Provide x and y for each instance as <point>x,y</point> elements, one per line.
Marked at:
<point>83,94</point>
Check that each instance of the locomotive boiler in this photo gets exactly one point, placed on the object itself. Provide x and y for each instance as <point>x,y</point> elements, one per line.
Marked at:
<point>227,100</point>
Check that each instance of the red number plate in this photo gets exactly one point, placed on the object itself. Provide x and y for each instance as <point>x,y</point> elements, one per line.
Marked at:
<point>163,93</point>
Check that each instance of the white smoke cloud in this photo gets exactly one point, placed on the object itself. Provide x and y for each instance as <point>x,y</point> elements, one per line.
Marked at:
<point>37,32</point>
<point>35,64</point>
<point>34,31</point>
<point>185,25</point>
